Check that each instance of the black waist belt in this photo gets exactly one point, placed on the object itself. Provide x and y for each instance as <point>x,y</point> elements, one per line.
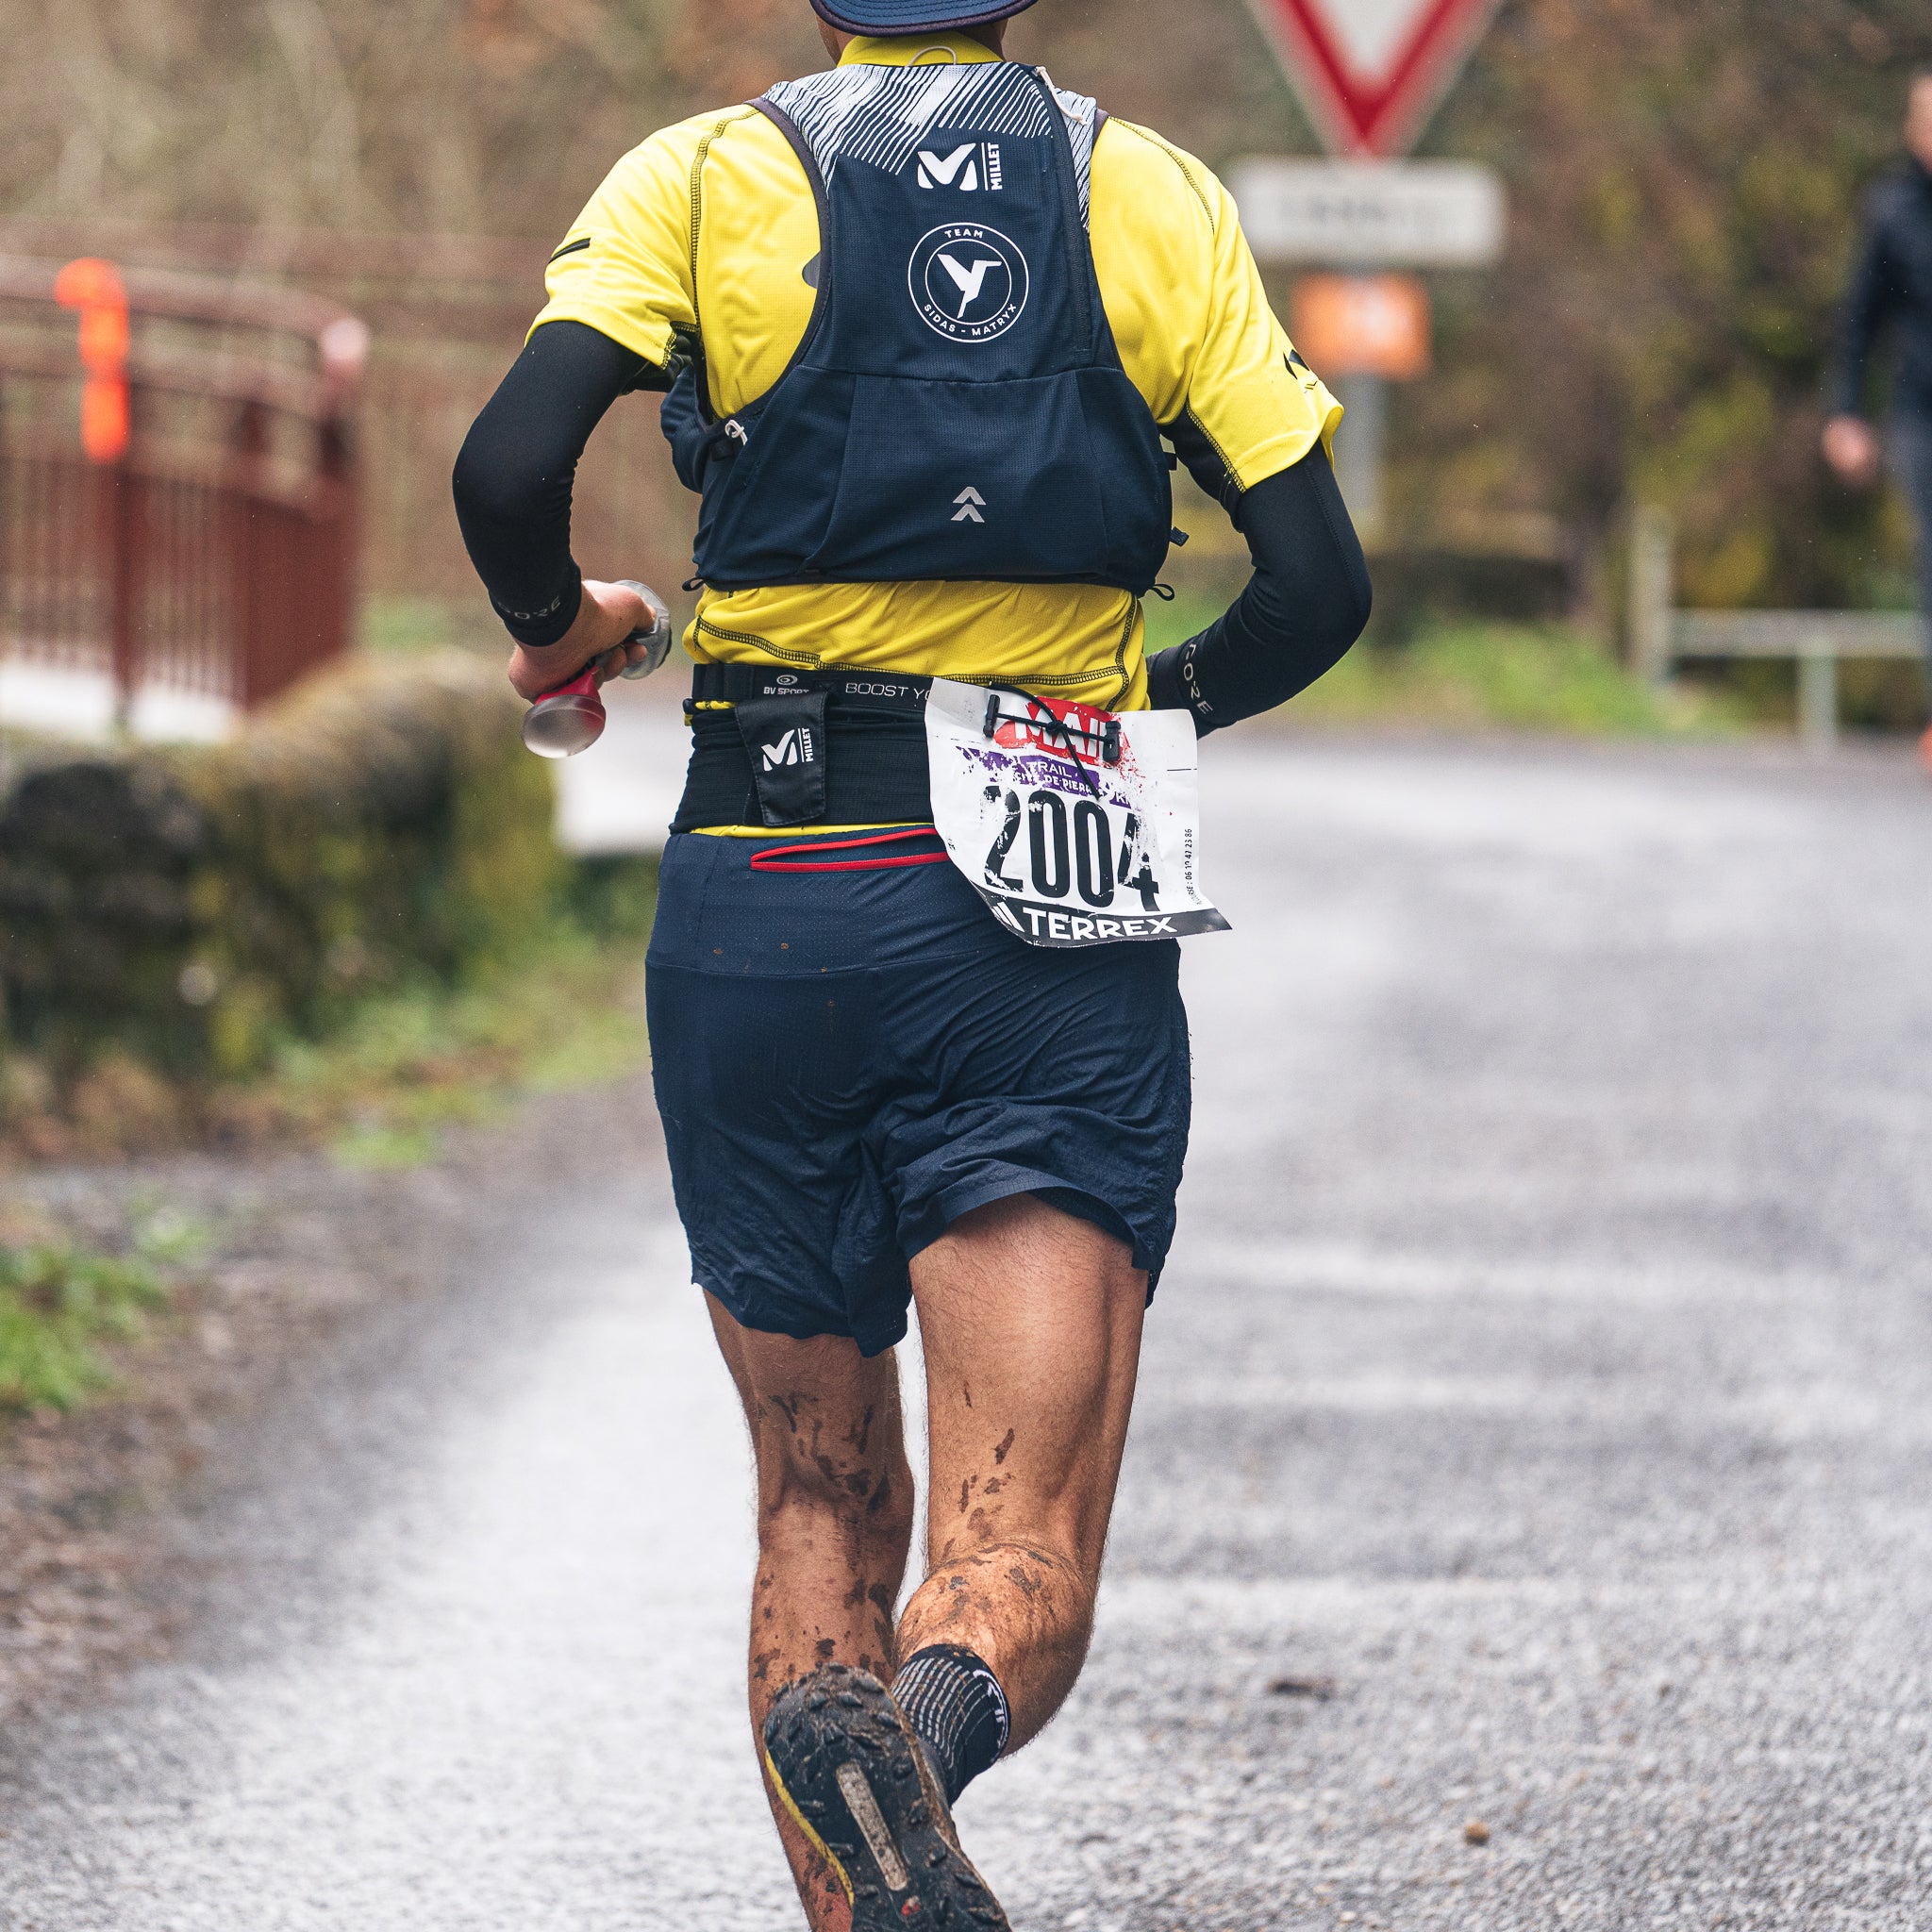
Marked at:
<point>805,747</point>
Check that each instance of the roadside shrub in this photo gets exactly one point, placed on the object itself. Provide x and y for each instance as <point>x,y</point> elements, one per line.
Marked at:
<point>190,908</point>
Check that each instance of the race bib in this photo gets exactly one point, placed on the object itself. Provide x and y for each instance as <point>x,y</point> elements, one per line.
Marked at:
<point>1077,827</point>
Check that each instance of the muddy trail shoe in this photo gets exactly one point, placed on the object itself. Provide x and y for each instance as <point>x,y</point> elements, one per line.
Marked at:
<point>848,1769</point>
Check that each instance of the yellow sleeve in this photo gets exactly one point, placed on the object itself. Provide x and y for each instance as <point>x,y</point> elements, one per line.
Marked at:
<point>1195,330</point>
<point>723,194</point>
<point>625,267</point>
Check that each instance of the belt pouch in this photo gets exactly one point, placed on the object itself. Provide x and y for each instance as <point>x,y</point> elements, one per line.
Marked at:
<point>786,740</point>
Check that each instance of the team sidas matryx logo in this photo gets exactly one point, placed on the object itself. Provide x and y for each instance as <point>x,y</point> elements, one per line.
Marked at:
<point>968,168</point>
<point>793,747</point>
<point>967,283</point>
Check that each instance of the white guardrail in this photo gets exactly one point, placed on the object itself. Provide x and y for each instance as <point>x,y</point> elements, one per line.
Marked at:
<point>1662,636</point>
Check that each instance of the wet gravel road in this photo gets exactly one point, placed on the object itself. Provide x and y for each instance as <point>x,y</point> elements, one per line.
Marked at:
<point>1536,1430</point>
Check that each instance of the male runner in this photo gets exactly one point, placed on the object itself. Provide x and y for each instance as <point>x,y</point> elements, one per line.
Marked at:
<point>1893,286</point>
<point>923,321</point>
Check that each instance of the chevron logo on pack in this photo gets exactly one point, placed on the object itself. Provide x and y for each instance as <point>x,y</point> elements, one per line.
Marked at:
<point>965,168</point>
<point>967,283</point>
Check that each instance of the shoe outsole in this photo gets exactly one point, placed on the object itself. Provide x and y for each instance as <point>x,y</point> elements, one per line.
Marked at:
<point>847,1766</point>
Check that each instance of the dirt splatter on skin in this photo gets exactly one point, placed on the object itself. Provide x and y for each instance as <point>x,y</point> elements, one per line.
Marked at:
<point>762,1663</point>
<point>966,1388</point>
<point>1028,1584</point>
<point>995,1487</point>
<point>857,1484</point>
<point>833,1894</point>
<point>1004,1449</point>
<point>965,1495</point>
<point>826,1648</point>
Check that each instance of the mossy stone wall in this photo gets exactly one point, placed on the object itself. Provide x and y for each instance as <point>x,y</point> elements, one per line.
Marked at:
<point>191,907</point>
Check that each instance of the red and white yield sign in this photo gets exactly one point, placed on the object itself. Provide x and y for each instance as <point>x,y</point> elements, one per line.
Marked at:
<point>1369,71</point>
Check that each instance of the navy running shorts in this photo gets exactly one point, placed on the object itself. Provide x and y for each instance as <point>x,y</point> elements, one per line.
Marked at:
<point>848,1060</point>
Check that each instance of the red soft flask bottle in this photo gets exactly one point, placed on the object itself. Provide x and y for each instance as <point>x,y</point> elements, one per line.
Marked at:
<point>571,718</point>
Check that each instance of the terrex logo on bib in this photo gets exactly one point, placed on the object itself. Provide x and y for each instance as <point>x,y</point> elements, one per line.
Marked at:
<point>967,283</point>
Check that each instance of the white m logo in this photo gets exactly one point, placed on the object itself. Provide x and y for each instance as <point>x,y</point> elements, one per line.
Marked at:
<point>934,172</point>
<point>786,752</point>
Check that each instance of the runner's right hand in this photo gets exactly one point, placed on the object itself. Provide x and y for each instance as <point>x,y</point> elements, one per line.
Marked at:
<point>1851,448</point>
<point>608,615</point>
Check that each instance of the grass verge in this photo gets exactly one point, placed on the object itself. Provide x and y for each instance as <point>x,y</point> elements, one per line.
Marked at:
<point>1547,678</point>
<point>566,1012</point>
<point>62,1305</point>
<point>565,1009</point>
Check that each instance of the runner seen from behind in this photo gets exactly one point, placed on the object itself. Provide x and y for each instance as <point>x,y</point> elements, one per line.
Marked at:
<point>922,324</point>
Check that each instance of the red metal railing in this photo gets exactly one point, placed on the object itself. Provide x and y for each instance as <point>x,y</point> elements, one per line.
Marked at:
<point>217,551</point>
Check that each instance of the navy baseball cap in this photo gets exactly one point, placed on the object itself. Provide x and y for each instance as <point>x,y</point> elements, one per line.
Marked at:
<point>913,16</point>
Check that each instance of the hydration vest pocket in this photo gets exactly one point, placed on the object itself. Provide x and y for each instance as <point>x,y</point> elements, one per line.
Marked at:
<point>1135,491</point>
<point>757,515</point>
<point>1007,483</point>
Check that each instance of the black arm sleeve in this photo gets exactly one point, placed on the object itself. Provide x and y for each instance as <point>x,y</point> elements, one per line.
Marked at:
<point>514,475</point>
<point>1306,603</point>
<point>1868,303</point>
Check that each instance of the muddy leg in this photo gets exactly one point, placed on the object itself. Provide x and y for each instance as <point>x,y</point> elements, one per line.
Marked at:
<point>1031,1322</point>
<point>834,1522</point>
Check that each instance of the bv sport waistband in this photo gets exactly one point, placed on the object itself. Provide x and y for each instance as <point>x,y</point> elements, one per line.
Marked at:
<point>777,747</point>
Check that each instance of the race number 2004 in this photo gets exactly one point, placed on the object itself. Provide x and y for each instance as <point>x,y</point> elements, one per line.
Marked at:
<point>1077,827</point>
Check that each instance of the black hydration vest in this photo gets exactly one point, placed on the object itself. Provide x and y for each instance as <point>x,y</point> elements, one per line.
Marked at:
<point>957,409</point>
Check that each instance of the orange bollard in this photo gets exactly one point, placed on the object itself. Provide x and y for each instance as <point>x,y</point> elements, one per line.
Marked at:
<point>95,289</point>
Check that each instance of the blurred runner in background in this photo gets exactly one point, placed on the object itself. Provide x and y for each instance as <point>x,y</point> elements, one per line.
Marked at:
<point>1893,286</point>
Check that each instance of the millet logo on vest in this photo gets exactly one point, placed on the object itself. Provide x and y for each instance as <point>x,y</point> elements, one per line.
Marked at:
<point>967,283</point>
<point>966,168</point>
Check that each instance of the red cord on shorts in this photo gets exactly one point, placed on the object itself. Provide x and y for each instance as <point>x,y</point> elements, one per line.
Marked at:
<point>784,859</point>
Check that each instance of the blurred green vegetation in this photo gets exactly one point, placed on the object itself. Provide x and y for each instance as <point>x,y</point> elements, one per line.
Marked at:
<point>564,1010</point>
<point>1470,675</point>
<point>62,1305</point>
<point>1685,180</point>
<point>393,1069</point>
<point>354,913</point>
<point>188,908</point>
<point>1548,679</point>
<point>397,626</point>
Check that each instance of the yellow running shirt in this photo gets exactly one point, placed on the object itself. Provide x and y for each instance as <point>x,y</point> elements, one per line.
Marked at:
<point>709,225</point>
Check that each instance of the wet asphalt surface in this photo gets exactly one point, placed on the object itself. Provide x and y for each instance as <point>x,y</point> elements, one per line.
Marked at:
<point>1536,1430</point>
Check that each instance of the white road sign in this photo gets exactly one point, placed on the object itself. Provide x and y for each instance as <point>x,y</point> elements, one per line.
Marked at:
<point>1371,214</point>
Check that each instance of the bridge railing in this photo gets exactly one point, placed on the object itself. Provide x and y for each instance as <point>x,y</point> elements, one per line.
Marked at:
<point>211,546</point>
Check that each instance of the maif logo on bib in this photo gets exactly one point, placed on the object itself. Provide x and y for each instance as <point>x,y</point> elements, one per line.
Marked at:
<point>969,283</point>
